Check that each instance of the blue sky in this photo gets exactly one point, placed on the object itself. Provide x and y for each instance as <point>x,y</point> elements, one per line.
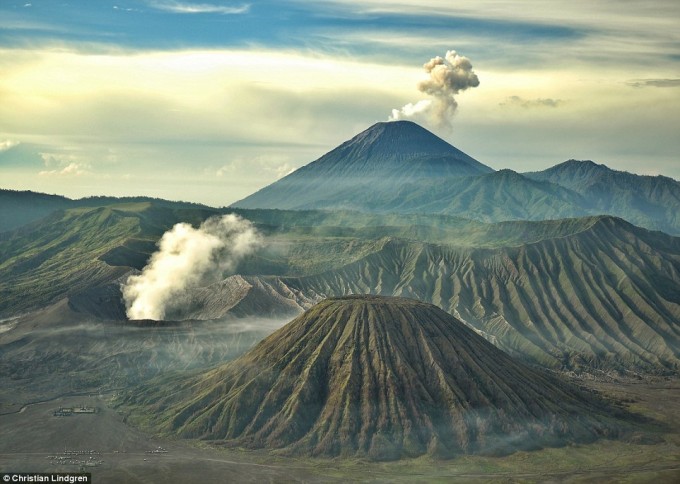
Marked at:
<point>211,100</point>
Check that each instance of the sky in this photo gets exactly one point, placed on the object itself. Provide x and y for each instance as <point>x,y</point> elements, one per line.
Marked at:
<point>210,100</point>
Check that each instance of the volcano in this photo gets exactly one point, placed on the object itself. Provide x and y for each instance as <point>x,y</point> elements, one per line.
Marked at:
<point>380,378</point>
<point>360,173</point>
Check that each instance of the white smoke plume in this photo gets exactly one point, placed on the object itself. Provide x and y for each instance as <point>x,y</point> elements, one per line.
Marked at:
<point>447,76</point>
<point>188,257</point>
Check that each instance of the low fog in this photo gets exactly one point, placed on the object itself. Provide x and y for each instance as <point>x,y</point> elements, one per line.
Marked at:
<point>105,354</point>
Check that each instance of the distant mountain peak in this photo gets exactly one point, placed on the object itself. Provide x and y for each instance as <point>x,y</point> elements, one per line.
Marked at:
<point>647,201</point>
<point>400,142</point>
<point>580,164</point>
<point>403,133</point>
<point>573,161</point>
<point>375,163</point>
<point>506,173</point>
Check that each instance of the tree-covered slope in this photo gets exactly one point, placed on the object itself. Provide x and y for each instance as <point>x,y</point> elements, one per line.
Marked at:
<point>499,196</point>
<point>20,208</point>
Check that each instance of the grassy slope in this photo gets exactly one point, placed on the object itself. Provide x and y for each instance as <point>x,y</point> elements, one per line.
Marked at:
<point>62,254</point>
<point>19,208</point>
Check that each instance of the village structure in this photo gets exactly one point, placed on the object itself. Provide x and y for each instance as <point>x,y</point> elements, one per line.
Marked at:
<point>69,411</point>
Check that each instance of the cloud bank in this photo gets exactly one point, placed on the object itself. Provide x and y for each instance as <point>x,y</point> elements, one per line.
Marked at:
<point>532,103</point>
<point>188,257</point>
<point>448,76</point>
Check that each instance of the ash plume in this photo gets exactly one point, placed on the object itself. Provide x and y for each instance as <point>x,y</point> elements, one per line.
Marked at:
<point>447,76</point>
<point>188,257</point>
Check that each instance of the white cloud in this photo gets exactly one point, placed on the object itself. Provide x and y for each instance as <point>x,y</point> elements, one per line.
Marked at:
<point>63,165</point>
<point>543,33</point>
<point>7,144</point>
<point>192,8</point>
<point>518,101</point>
<point>72,169</point>
<point>284,170</point>
<point>243,96</point>
<point>116,7</point>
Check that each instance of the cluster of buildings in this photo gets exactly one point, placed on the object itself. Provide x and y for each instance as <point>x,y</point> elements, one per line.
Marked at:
<point>158,450</point>
<point>68,411</point>
<point>82,458</point>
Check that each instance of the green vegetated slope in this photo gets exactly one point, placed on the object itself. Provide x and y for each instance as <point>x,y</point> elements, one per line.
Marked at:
<point>59,255</point>
<point>67,251</point>
<point>380,378</point>
<point>493,197</point>
<point>606,296</point>
<point>20,208</point>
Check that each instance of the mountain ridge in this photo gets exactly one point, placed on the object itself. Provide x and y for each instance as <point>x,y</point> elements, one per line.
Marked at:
<point>353,176</point>
<point>578,294</point>
<point>649,201</point>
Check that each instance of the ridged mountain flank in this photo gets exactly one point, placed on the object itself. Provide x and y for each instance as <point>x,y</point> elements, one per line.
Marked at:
<point>381,378</point>
<point>380,160</point>
<point>606,295</point>
<point>649,201</point>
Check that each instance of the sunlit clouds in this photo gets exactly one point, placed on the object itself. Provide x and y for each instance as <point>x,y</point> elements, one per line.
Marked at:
<point>7,144</point>
<point>210,101</point>
<point>197,8</point>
